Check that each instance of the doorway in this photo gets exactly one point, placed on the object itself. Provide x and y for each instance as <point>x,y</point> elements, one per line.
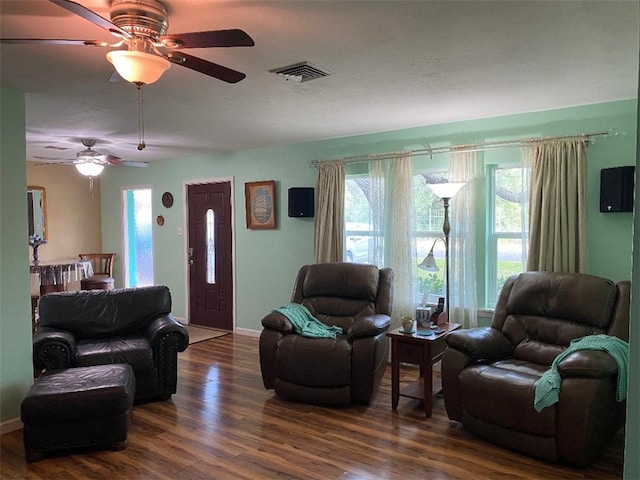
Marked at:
<point>210,255</point>
<point>138,238</point>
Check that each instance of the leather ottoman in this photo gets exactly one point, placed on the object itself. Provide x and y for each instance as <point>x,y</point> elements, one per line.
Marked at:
<point>78,407</point>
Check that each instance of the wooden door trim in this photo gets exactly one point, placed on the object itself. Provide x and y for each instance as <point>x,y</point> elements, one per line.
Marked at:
<point>185,238</point>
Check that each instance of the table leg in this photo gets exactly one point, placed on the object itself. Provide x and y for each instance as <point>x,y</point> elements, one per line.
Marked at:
<point>34,306</point>
<point>427,381</point>
<point>395,374</point>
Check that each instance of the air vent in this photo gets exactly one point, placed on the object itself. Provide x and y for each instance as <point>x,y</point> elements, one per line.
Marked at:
<point>301,72</point>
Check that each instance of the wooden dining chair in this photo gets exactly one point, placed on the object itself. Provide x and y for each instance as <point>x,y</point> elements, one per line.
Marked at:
<point>102,278</point>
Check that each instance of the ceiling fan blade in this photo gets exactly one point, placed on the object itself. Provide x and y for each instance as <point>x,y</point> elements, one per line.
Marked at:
<point>53,159</point>
<point>214,38</point>
<point>91,16</point>
<point>113,160</point>
<point>53,41</point>
<point>61,162</point>
<point>204,66</point>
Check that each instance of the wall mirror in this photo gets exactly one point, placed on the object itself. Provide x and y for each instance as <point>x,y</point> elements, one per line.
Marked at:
<point>37,211</point>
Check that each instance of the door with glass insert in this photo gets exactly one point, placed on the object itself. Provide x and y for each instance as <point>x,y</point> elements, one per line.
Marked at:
<point>209,255</point>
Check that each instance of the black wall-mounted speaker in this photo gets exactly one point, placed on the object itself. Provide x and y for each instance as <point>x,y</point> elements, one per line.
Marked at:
<point>616,189</point>
<point>301,202</point>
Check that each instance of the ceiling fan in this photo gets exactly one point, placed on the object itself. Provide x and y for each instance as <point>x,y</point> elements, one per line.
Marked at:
<point>91,163</point>
<point>141,26</point>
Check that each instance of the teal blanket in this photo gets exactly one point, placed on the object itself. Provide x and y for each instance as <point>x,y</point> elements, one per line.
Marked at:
<point>548,387</point>
<point>306,324</point>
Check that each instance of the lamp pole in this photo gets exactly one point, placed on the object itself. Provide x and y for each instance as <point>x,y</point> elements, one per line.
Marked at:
<point>446,228</point>
<point>446,191</point>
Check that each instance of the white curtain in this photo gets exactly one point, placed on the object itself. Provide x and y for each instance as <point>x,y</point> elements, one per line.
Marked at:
<point>392,219</point>
<point>463,302</point>
<point>558,206</point>
<point>378,172</point>
<point>329,220</point>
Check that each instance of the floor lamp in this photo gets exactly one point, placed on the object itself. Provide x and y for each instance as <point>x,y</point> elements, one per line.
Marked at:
<point>445,191</point>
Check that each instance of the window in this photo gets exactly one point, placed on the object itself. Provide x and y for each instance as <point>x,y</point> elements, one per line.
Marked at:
<point>359,232</point>
<point>429,212</point>
<point>506,253</point>
<point>211,246</point>
<point>357,215</point>
<point>501,220</point>
<point>138,238</point>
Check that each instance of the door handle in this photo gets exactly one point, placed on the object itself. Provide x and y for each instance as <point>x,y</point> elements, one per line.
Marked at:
<point>190,255</point>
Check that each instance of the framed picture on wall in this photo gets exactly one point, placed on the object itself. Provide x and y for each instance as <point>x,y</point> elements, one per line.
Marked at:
<point>260,204</point>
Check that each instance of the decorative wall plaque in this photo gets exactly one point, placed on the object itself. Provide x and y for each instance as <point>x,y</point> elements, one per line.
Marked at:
<point>167,199</point>
<point>260,204</point>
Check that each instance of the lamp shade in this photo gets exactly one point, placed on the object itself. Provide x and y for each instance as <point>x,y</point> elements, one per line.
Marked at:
<point>428,263</point>
<point>138,67</point>
<point>445,190</point>
<point>89,169</point>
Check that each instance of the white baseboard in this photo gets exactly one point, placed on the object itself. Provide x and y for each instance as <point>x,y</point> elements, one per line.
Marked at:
<point>247,332</point>
<point>10,426</point>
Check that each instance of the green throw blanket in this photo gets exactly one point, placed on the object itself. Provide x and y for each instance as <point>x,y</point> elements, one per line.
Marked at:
<point>306,324</point>
<point>548,387</point>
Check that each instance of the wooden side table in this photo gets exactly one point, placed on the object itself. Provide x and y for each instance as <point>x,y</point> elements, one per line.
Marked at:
<point>419,350</point>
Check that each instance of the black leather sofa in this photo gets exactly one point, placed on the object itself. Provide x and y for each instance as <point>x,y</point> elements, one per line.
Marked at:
<point>100,327</point>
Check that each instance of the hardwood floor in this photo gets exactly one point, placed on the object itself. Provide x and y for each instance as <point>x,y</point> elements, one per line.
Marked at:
<point>223,424</point>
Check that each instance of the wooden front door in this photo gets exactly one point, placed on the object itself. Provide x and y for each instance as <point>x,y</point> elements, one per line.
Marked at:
<point>210,260</point>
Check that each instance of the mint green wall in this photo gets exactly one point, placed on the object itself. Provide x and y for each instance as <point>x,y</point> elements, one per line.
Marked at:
<point>632,439</point>
<point>16,372</point>
<point>266,261</point>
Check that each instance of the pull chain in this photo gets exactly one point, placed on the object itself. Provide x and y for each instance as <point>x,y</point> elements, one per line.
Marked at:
<point>141,144</point>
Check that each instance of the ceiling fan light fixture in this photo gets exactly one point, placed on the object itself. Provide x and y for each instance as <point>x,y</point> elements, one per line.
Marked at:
<point>89,169</point>
<point>138,67</point>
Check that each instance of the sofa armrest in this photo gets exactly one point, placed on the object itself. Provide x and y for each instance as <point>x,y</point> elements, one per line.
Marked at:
<point>277,321</point>
<point>166,327</point>
<point>588,363</point>
<point>484,343</point>
<point>53,349</point>
<point>368,326</point>
<point>167,337</point>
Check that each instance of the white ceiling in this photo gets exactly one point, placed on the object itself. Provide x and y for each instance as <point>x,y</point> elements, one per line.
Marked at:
<point>395,64</point>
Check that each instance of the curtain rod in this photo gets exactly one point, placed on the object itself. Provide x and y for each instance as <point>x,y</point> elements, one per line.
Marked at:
<point>472,147</point>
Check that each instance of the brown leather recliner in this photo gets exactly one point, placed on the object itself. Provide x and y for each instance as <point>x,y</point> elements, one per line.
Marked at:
<point>344,370</point>
<point>489,374</point>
